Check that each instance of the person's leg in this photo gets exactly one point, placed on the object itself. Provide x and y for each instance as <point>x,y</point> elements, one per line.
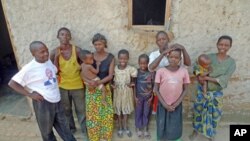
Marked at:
<point>160,122</point>
<point>125,125</point>
<point>45,115</point>
<point>93,115</point>
<point>120,128</point>
<point>146,115</point>
<point>193,135</point>
<point>60,124</point>
<point>107,117</point>
<point>79,103</point>
<point>66,101</point>
<point>139,116</point>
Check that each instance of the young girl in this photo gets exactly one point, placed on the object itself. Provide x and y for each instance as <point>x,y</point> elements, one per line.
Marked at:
<point>144,95</point>
<point>158,59</point>
<point>170,86</point>
<point>123,92</point>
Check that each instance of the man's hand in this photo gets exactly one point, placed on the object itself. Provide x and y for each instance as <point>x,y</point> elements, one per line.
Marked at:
<point>36,96</point>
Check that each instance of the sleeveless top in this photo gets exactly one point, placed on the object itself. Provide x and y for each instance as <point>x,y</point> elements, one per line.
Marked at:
<point>104,67</point>
<point>69,72</point>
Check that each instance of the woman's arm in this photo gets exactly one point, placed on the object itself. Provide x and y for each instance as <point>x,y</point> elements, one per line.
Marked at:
<point>110,75</point>
<point>186,57</point>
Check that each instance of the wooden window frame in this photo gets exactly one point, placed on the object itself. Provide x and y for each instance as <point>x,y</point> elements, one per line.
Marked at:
<point>149,27</point>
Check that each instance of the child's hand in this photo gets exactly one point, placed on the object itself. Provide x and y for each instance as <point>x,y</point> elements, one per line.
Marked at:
<point>113,86</point>
<point>104,102</point>
<point>169,108</point>
<point>150,100</point>
<point>130,85</point>
<point>136,100</point>
<point>98,63</point>
<point>93,83</point>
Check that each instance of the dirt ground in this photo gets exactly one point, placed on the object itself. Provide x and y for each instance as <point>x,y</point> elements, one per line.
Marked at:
<point>13,128</point>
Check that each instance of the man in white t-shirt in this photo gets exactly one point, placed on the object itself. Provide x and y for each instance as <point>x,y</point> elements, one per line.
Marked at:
<point>39,76</point>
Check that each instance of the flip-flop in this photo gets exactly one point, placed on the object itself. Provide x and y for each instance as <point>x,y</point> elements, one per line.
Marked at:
<point>120,133</point>
<point>129,133</point>
<point>139,134</point>
<point>147,135</point>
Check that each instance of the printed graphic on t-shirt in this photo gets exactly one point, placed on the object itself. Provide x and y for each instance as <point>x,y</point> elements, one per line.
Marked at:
<point>144,83</point>
<point>172,80</point>
<point>51,80</point>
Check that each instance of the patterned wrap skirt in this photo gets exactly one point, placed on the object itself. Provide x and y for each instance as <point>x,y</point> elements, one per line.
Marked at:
<point>207,112</point>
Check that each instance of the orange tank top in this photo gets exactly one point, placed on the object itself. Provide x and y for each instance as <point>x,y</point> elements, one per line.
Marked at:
<point>69,72</point>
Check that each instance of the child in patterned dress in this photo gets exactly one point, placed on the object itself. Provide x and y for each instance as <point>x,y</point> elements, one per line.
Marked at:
<point>123,92</point>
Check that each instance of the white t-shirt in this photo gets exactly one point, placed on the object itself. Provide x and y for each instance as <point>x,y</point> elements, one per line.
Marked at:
<point>40,77</point>
<point>153,55</point>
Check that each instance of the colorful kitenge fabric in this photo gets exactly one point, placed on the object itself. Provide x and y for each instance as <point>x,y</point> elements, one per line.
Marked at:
<point>99,118</point>
<point>207,112</point>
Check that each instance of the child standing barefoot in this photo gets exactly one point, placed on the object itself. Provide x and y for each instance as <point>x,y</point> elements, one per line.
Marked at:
<point>143,98</point>
<point>171,84</point>
<point>88,72</point>
<point>123,92</point>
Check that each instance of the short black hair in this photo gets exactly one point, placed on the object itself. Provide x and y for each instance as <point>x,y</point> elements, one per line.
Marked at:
<point>145,56</point>
<point>123,51</point>
<point>63,28</point>
<point>84,53</point>
<point>225,37</point>
<point>35,44</point>
<point>162,32</point>
<point>99,37</point>
<point>176,49</point>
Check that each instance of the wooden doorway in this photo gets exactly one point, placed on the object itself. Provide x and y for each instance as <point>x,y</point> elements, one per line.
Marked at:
<point>8,64</point>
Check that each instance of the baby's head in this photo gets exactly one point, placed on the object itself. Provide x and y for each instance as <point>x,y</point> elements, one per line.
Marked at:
<point>204,61</point>
<point>87,57</point>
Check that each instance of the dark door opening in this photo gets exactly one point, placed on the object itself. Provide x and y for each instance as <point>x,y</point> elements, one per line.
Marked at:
<point>11,103</point>
<point>8,65</point>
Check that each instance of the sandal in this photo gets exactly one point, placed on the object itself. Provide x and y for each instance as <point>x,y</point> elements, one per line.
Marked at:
<point>120,133</point>
<point>129,133</point>
<point>139,134</point>
<point>147,135</point>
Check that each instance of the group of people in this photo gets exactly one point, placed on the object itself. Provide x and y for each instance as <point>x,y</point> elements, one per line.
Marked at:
<point>99,89</point>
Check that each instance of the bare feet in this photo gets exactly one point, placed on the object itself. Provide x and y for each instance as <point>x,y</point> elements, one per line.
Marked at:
<point>211,139</point>
<point>193,136</point>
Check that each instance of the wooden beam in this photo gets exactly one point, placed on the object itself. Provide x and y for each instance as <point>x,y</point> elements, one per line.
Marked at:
<point>10,33</point>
